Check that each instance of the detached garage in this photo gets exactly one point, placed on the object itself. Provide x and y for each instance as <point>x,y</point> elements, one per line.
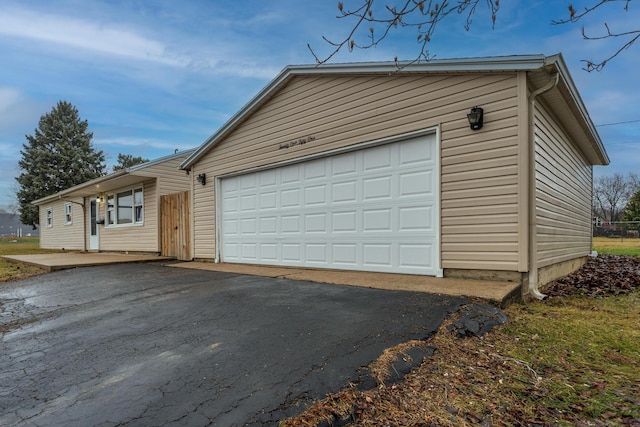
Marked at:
<point>366,167</point>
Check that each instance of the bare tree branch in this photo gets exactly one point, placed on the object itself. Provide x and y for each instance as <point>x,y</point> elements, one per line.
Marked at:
<point>423,17</point>
<point>575,16</point>
<point>419,15</point>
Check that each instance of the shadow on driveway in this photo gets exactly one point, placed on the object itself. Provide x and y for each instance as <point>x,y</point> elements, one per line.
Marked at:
<point>150,345</point>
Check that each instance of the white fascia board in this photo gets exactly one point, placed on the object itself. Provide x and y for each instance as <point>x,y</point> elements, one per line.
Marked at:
<point>558,61</point>
<point>492,63</point>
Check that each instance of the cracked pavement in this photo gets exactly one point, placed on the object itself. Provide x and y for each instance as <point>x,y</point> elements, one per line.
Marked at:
<point>148,345</point>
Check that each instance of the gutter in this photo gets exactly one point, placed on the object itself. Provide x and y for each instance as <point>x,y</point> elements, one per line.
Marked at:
<point>533,239</point>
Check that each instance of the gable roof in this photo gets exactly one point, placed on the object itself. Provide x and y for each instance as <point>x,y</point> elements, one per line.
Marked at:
<point>118,179</point>
<point>593,146</point>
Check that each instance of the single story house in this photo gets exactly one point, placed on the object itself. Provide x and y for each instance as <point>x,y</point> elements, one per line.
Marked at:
<point>143,208</point>
<point>478,167</point>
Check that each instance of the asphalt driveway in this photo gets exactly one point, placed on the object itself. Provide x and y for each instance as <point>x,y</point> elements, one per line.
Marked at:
<point>148,345</point>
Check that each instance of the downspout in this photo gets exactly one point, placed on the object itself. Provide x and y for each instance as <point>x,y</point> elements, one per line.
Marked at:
<point>533,238</point>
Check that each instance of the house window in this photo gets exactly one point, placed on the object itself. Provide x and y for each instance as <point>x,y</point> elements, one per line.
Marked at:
<point>49,217</point>
<point>68,210</point>
<point>111,210</point>
<point>137,205</point>
<point>125,207</point>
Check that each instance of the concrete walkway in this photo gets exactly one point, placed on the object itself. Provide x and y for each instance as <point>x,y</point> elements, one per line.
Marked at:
<point>500,293</point>
<point>61,261</point>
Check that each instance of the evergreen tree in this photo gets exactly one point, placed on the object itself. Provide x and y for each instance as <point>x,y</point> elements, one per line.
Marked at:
<point>127,160</point>
<point>59,155</point>
<point>632,211</point>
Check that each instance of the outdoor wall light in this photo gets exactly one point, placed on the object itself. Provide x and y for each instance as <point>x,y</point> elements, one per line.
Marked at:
<point>475,117</point>
<point>98,199</point>
<point>202,178</point>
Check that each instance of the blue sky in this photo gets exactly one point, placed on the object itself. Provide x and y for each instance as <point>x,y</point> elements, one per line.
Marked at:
<point>153,76</point>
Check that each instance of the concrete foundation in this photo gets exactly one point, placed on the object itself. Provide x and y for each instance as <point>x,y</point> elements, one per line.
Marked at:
<point>548,274</point>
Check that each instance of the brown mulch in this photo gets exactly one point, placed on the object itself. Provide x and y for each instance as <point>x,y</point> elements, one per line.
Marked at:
<point>604,275</point>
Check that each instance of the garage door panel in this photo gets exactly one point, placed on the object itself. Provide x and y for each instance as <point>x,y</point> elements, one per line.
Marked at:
<point>343,222</point>
<point>414,151</point>
<point>413,255</point>
<point>316,253</point>
<point>291,253</point>
<point>344,192</point>
<point>344,165</point>
<point>374,209</point>
<point>344,254</point>
<point>268,200</point>
<point>377,188</point>
<point>290,224</point>
<point>315,195</point>
<point>377,254</point>
<point>290,174</point>
<point>378,158</point>
<point>376,220</point>
<point>267,179</point>
<point>316,169</point>
<point>268,225</point>
<point>416,218</point>
<point>416,184</point>
<point>269,252</point>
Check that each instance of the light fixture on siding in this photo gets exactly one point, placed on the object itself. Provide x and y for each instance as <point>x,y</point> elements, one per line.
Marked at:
<point>98,199</point>
<point>475,117</point>
<point>202,178</point>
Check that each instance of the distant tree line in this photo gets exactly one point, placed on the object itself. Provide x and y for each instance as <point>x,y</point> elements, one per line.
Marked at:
<point>616,198</point>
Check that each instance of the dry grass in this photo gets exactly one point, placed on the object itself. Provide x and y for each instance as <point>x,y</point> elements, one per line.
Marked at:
<point>19,246</point>
<point>616,246</point>
<point>569,361</point>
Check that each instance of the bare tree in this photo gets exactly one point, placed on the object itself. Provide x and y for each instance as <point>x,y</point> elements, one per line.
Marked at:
<point>423,17</point>
<point>612,193</point>
<point>629,37</point>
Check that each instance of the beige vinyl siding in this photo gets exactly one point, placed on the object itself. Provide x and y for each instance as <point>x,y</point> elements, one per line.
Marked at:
<point>170,178</point>
<point>563,194</point>
<point>479,169</point>
<point>62,235</point>
<point>136,238</point>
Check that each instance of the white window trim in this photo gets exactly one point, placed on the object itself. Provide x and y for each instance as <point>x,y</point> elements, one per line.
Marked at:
<point>49,217</point>
<point>114,211</point>
<point>68,214</point>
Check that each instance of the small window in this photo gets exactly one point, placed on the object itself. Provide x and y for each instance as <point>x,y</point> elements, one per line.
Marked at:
<point>49,217</point>
<point>137,204</point>
<point>68,214</point>
<point>111,210</point>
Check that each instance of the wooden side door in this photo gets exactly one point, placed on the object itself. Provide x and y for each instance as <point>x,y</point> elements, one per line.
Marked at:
<point>174,226</point>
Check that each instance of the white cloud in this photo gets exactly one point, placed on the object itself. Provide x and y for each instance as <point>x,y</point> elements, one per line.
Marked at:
<point>106,143</point>
<point>84,34</point>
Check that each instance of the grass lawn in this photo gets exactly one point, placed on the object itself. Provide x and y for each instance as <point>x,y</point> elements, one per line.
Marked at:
<point>19,246</point>
<point>616,246</point>
<point>567,361</point>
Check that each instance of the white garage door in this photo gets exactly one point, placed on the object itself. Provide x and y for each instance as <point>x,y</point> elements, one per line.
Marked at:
<point>374,209</point>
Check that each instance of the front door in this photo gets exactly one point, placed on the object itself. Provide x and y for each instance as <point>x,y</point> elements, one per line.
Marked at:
<point>94,238</point>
